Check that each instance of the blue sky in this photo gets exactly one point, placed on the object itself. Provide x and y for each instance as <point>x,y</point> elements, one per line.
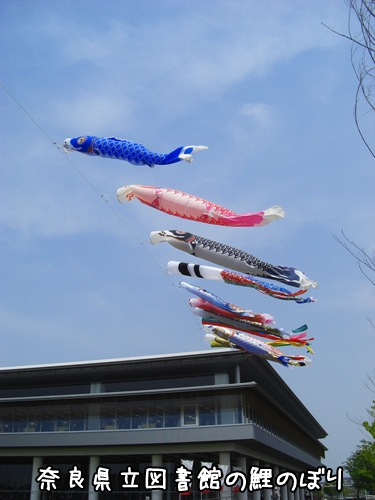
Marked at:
<point>270,90</point>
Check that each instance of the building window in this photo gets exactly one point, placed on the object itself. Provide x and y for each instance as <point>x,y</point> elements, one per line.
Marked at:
<point>15,477</point>
<point>163,383</point>
<point>189,414</point>
<point>35,417</point>
<point>120,413</point>
<point>207,410</point>
<point>237,408</point>
<point>123,417</point>
<point>156,414</point>
<point>225,414</point>
<point>62,417</point>
<point>172,412</point>
<point>48,418</point>
<point>21,416</point>
<point>93,416</point>
<point>8,417</point>
<point>108,416</point>
<point>139,414</point>
<point>78,417</point>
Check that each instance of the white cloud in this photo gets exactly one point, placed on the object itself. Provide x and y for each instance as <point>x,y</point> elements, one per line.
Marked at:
<point>92,111</point>
<point>260,113</point>
<point>181,60</point>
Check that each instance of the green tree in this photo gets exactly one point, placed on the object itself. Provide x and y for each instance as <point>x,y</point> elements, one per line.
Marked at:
<point>361,463</point>
<point>370,426</point>
<point>361,466</point>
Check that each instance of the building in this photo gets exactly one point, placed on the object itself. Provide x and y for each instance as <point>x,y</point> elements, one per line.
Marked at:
<point>86,424</point>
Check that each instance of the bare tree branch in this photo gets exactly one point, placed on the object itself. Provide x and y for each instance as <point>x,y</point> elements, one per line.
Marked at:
<point>370,384</point>
<point>346,36</point>
<point>361,256</point>
<point>362,17</point>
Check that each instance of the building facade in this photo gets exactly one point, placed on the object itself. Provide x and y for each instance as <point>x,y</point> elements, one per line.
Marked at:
<point>123,428</point>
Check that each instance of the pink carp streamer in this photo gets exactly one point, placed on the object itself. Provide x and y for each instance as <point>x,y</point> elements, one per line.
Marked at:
<point>187,206</point>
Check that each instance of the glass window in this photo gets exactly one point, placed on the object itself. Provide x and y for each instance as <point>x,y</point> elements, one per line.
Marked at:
<point>107,415</point>
<point>26,392</point>
<point>62,417</point>
<point>93,416</point>
<point>237,404</point>
<point>189,414</point>
<point>35,417</point>
<point>123,415</point>
<point>172,412</point>
<point>141,385</point>
<point>139,414</point>
<point>225,414</point>
<point>156,413</point>
<point>21,415</point>
<point>207,410</point>
<point>15,477</point>
<point>78,417</point>
<point>249,415</point>
<point>48,418</point>
<point>255,416</point>
<point>246,410</point>
<point>8,415</point>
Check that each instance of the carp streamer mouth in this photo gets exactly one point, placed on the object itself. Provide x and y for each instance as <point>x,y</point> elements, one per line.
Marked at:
<point>67,146</point>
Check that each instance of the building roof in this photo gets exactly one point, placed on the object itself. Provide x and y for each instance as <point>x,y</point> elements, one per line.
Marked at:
<point>253,369</point>
<point>139,366</point>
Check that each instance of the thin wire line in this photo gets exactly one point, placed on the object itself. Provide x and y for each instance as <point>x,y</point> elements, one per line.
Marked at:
<point>98,193</point>
<point>24,110</point>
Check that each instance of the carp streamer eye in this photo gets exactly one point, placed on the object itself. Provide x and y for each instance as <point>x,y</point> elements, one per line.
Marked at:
<point>81,140</point>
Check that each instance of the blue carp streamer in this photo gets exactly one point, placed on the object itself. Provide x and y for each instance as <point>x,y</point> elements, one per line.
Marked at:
<point>121,149</point>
